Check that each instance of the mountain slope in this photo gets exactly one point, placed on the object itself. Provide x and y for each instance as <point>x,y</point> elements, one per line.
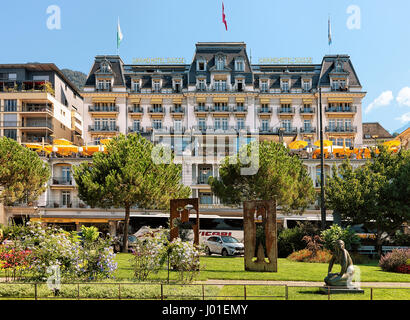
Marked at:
<point>78,78</point>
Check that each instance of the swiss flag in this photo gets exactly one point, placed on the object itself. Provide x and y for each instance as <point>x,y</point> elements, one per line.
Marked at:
<point>223,17</point>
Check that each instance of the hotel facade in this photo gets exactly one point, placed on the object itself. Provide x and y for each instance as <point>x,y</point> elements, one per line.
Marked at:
<point>201,110</point>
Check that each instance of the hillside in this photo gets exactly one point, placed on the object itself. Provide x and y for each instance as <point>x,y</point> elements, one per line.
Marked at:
<point>76,77</point>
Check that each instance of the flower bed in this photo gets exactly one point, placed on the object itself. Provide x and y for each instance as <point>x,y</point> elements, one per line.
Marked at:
<point>396,261</point>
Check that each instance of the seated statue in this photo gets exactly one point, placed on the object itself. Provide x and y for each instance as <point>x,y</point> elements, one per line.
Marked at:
<point>345,276</point>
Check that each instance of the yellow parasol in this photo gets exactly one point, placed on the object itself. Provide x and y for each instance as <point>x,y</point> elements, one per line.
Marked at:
<point>326,143</point>
<point>62,141</point>
<point>296,145</point>
<point>34,145</point>
<point>105,141</point>
<point>392,143</point>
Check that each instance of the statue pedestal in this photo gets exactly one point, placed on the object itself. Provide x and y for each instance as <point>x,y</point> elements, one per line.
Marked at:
<point>337,290</point>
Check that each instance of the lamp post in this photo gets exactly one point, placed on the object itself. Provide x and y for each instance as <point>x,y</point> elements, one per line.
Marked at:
<point>322,164</point>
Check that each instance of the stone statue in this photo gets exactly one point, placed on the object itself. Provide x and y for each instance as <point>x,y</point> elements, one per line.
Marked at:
<point>345,276</point>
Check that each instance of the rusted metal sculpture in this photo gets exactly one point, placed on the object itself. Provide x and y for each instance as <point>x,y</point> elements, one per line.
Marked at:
<point>181,208</point>
<point>260,215</point>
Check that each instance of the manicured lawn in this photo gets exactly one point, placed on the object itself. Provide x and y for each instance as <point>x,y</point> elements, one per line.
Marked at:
<point>232,268</point>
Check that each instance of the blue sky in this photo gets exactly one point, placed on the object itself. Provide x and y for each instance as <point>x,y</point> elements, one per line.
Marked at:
<point>158,28</point>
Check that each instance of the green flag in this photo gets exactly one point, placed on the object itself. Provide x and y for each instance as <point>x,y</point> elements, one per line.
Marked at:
<point>119,34</point>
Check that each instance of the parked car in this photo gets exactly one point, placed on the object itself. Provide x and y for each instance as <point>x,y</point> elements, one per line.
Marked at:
<point>224,245</point>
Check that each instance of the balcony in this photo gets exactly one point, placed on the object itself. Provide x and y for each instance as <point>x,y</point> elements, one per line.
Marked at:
<point>26,86</point>
<point>177,110</point>
<point>201,109</point>
<point>266,130</point>
<point>265,110</point>
<point>240,109</point>
<point>344,129</point>
<point>62,181</point>
<point>94,128</point>
<point>339,88</point>
<point>286,111</point>
<point>10,124</point>
<point>103,109</point>
<point>36,139</point>
<point>37,125</point>
<point>341,109</point>
<point>103,89</point>
<point>286,130</point>
<point>152,110</point>
<point>135,129</point>
<point>135,110</point>
<point>220,109</point>
<point>307,130</point>
<point>67,203</point>
<point>304,110</point>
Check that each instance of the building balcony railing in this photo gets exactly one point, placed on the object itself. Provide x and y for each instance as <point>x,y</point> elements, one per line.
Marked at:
<point>36,139</point>
<point>26,86</point>
<point>10,124</point>
<point>37,108</point>
<point>201,109</point>
<point>304,110</point>
<point>136,129</point>
<point>103,109</point>
<point>156,110</point>
<point>286,130</point>
<point>230,129</point>
<point>351,109</point>
<point>64,181</point>
<point>348,129</point>
<point>177,110</point>
<point>65,204</point>
<point>290,110</point>
<point>266,130</point>
<point>340,89</point>
<point>37,124</point>
<point>240,109</point>
<point>307,130</point>
<point>216,109</point>
<point>265,110</point>
<point>94,128</point>
<point>101,89</point>
<point>133,109</point>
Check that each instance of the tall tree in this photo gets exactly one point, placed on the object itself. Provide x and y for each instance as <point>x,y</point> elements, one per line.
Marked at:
<point>376,195</point>
<point>278,176</point>
<point>23,175</point>
<point>126,175</point>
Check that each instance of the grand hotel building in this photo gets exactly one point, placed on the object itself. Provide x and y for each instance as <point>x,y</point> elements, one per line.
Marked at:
<point>219,95</point>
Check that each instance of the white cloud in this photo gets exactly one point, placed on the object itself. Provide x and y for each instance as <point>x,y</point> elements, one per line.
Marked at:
<point>403,98</point>
<point>404,118</point>
<point>381,101</point>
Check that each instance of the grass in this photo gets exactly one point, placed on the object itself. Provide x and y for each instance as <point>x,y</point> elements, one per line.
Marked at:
<point>232,268</point>
<point>219,268</point>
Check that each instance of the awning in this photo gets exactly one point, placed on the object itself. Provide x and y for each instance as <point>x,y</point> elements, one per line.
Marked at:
<point>220,77</point>
<point>285,100</point>
<point>156,101</point>
<point>201,99</point>
<point>307,101</point>
<point>73,220</point>
<point>264,100</point>
<point>240,99</point>
<point>340,100</point>
<point>177,100</point>
<point>220,99</point>
<point>103,99</point>
<point>135,100</point>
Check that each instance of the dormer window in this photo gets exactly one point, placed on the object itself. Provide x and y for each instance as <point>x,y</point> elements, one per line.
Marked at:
<point>285,86</point>
<point>339,66</point>
<point>177,86</point>
<point>201,84</point>
<point>339,84</point>
<point>105,67</point>
<point>136,86</point>
<point>156,86</point>
<point>264,85</point>
<point>239,65</point>
<point>220,63</point>
<point>201,64</point>
<point>306,85</point>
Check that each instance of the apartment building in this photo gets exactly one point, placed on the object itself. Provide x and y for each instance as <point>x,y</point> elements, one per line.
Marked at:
<point>38,103</point>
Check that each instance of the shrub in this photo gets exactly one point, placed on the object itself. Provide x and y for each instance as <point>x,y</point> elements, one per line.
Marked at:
<point>305,255</point>
<point>401,239</point>
<point>335,232</point>
<point>184,257</point>
<point>313,244</point>
<point>149,255</point>
<point>290,240</point>
<point>395,261</point>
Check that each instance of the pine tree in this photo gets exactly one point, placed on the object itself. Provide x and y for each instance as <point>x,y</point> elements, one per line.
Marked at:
<point>126,176</point>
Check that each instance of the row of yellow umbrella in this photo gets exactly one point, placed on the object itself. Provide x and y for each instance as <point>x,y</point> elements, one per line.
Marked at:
<point>392,145</point>
<point>65,147</point>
